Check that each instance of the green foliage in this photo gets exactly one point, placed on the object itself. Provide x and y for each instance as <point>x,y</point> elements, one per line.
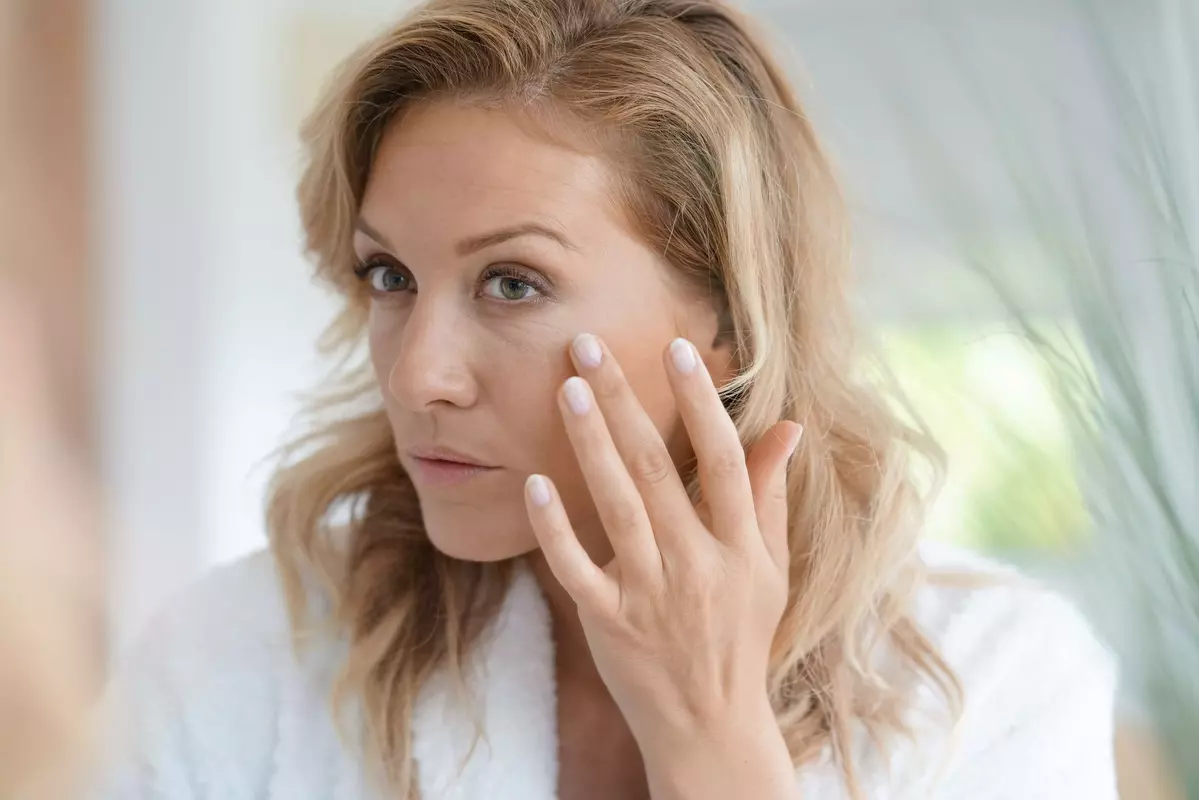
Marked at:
<point>1011,487</point>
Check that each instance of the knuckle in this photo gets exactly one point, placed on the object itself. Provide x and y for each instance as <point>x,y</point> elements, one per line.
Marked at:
<point>650,465</point>
<point>727,464</point>
<point>626,516</point>
<point>607,383</point>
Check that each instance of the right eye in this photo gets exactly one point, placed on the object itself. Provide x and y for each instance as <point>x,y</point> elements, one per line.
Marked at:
<point>384,278</point>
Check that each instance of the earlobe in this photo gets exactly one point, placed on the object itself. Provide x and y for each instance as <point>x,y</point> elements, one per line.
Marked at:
<point>721,362</point>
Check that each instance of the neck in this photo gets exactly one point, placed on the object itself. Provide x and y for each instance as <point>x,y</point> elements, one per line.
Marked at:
<point>593,737</point>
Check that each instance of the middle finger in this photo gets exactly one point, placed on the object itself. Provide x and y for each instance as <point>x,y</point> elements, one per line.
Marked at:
<point>645,455</point>
<point>615,495</point>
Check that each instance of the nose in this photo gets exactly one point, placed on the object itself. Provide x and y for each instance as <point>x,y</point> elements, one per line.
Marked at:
<point>432,367</point>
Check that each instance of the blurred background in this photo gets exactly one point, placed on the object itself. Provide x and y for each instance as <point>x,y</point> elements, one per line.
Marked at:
<point>157,141</point>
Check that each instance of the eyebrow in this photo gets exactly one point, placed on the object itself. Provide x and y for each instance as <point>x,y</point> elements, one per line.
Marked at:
<point>473,244</point>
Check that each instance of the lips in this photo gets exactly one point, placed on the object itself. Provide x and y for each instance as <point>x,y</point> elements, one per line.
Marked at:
<point>446,454</point>
<point>443,467</point>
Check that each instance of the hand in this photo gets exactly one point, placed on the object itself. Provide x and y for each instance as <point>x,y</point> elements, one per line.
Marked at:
<point>680,622</point>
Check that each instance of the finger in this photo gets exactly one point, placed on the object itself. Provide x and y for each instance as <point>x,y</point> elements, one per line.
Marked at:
<point>585,582</point>
<point>612,489</point>
<point>767,465</point>
<point>718,450</point>
<point>637,441</point>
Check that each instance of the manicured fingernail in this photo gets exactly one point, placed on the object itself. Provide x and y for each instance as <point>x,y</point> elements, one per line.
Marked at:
<point>538,489</point>
<point>578,396</point>
<point>795,437</point>
<point>588,350</point>
<point>682,353</point>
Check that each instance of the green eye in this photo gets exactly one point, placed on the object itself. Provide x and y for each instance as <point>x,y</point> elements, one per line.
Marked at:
<point>511,286</point>
<point>387,280</point>
<point>506,288</point>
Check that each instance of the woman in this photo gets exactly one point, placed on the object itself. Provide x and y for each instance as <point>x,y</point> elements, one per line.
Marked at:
<point>559,534</point>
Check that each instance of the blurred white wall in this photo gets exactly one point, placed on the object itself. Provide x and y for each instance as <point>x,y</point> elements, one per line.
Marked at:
<point>209,315</point>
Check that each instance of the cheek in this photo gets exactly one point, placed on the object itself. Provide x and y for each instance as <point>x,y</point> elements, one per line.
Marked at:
<point>385,327</point>
<point>638,349</point>
<point>519,368</point>
<point>640,360</point>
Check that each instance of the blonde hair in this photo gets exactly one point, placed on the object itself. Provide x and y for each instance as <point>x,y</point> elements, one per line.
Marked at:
<point>722,173</point>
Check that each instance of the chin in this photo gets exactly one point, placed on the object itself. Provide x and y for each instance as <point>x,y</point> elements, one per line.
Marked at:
<point>478,537</point>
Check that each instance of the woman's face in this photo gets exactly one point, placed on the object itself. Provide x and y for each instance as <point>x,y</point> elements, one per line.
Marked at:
<point>487,250</point>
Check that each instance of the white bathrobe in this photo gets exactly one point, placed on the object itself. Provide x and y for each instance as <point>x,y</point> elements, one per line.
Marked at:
<point>216,706</point>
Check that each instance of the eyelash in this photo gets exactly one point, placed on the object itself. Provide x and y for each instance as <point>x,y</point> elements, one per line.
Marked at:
<point>526,277</point>
<point>363,270</point>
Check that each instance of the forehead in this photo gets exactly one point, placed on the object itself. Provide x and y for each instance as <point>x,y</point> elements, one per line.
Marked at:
<point>488,167</point>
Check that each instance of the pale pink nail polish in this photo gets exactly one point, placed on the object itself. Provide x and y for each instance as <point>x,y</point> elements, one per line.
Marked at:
<point>578,396</point>
<point>682,353</point>
<point>539,490</point>
<point>588,351</point>
<point>795,439</point>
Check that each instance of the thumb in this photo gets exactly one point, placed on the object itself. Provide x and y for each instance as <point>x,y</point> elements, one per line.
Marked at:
<point>767,465</point>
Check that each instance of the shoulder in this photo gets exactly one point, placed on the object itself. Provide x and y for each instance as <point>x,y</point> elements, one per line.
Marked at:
<point>1038,685</point>
<point>997,627</point>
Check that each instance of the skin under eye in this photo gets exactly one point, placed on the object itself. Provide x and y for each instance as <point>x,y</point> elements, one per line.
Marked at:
<point>512,285</point>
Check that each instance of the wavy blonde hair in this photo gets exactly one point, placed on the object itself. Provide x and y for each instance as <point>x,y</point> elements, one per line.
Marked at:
<point>721,172</point>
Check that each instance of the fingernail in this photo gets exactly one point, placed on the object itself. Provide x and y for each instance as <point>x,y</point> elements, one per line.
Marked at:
<point>539,490</point>
<point>588,350</point>
<point>578,397</point>
<point>795,437</point>
<point>682,353</point>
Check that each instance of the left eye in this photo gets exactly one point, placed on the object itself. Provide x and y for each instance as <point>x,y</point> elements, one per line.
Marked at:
<point>386,280</point>
<point>507,287</point>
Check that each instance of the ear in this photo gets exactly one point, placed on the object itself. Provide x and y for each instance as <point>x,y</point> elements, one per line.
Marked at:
<point>706,323</point>
<point>720,361</point>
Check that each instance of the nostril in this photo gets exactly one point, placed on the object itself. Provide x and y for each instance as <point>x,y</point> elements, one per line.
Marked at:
<point>420,384</point>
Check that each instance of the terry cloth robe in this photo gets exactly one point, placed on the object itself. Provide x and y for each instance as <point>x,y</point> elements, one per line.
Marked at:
<point>213,703</point>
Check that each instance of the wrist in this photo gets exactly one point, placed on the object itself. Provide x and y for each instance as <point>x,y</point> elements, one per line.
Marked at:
<point>741,755</point>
